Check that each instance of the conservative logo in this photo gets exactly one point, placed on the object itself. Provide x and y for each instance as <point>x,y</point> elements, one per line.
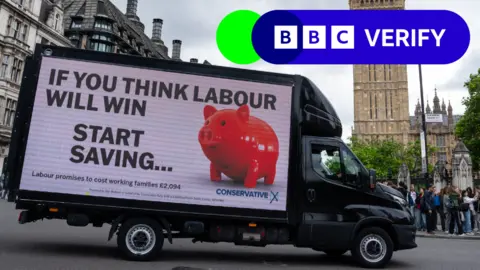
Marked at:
<point>265,195</point>
<point>344,37</point>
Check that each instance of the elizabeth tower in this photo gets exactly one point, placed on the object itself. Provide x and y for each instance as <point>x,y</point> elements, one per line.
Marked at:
<point>380,91</point>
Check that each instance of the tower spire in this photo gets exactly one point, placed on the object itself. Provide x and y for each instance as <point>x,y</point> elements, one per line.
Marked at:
<point>436,103</point>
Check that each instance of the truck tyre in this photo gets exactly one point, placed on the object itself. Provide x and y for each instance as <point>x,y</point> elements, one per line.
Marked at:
<point>372,248</point>
<point>140,239</point>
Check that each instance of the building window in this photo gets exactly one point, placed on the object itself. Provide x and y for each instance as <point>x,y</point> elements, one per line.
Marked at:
<point>13,27</point>
<point>100,46</point>
<point>103,24</point>
<point>17,67</point>
<point>372,73</point>
<point>385,72</point>
<point>76,23</point>
<point>371,106</point>
<point>57,22</point>
<point>442,156</point>
<point>440,140</point>
<point>391,105</point>
<point>4,68</point>
<point>24,35</point>
<point>102,37</point>
<point>75,40</point>
<point>9,112</point>
<point>386,105</point>
<point>9,25</point>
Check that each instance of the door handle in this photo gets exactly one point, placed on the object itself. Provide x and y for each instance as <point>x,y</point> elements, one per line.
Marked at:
<point>311,194</point>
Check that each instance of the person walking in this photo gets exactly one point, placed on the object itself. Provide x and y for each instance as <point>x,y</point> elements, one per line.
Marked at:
<point>429,209</point>
<point>477,209</point>
<point>439,210</point>
<point>411,197</point>
<point>446,208</point>
<point>453,206</point>
<point>419,215</point>
<point>467,207</point>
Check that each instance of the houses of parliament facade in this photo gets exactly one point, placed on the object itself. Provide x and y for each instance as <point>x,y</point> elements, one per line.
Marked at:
<point>381,103</point>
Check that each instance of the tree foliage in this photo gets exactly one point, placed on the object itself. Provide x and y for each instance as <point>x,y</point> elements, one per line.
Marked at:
<point>468,127</point>
<point>382,155</point>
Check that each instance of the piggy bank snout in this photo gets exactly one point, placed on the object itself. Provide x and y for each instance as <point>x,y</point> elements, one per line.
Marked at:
<point>205,135</point>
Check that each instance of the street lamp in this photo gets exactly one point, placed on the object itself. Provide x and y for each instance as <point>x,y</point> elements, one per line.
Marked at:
<point>423,134</point>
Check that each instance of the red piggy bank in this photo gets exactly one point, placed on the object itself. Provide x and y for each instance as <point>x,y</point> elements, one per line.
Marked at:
<point>239,145</point>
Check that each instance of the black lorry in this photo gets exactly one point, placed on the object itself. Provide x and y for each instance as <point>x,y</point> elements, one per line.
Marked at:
<point>331,202</point>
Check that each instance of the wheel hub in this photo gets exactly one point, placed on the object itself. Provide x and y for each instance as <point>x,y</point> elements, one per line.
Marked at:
<point>140,239</point>
<point>373,248</point>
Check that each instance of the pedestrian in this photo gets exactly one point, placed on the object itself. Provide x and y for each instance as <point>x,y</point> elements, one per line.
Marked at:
<point>446,208</point>
<point>429,209</point>
<point>473,211</point>
<point>453,206</point>
<point>402,188</point>
<point>439,209</point>
<point>412,196</point>
<point>466,208</point>
<point>419,215</point>
<point>477,208</point>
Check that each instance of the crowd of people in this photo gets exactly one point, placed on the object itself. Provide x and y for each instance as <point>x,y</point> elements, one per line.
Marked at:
<point>455,211</point>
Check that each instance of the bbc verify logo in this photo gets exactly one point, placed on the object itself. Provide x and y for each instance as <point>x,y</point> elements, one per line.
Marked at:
<point>345,37</point>
<point>314,37</point>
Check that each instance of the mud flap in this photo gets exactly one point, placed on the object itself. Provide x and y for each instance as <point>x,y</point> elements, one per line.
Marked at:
<point>114,227</point>
<point>167,228</point>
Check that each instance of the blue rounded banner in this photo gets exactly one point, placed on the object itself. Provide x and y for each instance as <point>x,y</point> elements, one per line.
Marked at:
<point>361,37</point>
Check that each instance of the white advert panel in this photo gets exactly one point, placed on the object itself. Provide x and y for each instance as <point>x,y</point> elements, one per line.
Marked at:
<point>123,132</point>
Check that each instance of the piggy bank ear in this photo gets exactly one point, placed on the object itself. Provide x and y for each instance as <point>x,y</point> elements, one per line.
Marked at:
<point>208,111</point>
<point>243,113</point>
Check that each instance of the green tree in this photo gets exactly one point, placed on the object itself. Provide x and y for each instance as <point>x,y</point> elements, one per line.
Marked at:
<point>412,156</point>
<point>468,127</point>
<point>382,155</point>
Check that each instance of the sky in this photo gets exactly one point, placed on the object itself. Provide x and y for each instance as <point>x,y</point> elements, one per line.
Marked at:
<point>195,23</point>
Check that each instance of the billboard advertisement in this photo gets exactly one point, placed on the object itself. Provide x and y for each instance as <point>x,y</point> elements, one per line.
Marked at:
<point>142,134</point>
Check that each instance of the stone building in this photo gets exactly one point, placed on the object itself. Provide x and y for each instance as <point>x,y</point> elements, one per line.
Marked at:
<point>99,25</point>
<point>461,167</point>
<point>439,135</point>
<point>380,91</point>
<point>22,25</point>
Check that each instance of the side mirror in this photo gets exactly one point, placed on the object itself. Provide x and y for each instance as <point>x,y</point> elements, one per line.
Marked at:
<point>373,178</point>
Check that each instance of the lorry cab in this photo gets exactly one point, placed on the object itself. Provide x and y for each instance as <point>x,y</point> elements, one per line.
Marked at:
<point>336,194</point>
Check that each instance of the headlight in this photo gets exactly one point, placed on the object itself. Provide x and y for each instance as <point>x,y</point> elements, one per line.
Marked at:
<point>401,201</point>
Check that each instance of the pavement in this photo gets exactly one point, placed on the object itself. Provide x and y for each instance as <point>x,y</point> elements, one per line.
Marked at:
<point>443,235</point>
<point>52,245</point>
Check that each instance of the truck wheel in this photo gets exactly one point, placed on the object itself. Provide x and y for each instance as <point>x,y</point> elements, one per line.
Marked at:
<point>372,248</point>
<point>140,239</point>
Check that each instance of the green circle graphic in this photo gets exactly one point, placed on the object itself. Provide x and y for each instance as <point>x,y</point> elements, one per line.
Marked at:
<point>234,37</point>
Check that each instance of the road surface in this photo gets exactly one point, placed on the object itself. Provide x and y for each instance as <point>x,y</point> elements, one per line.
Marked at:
<point>52,245</point>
